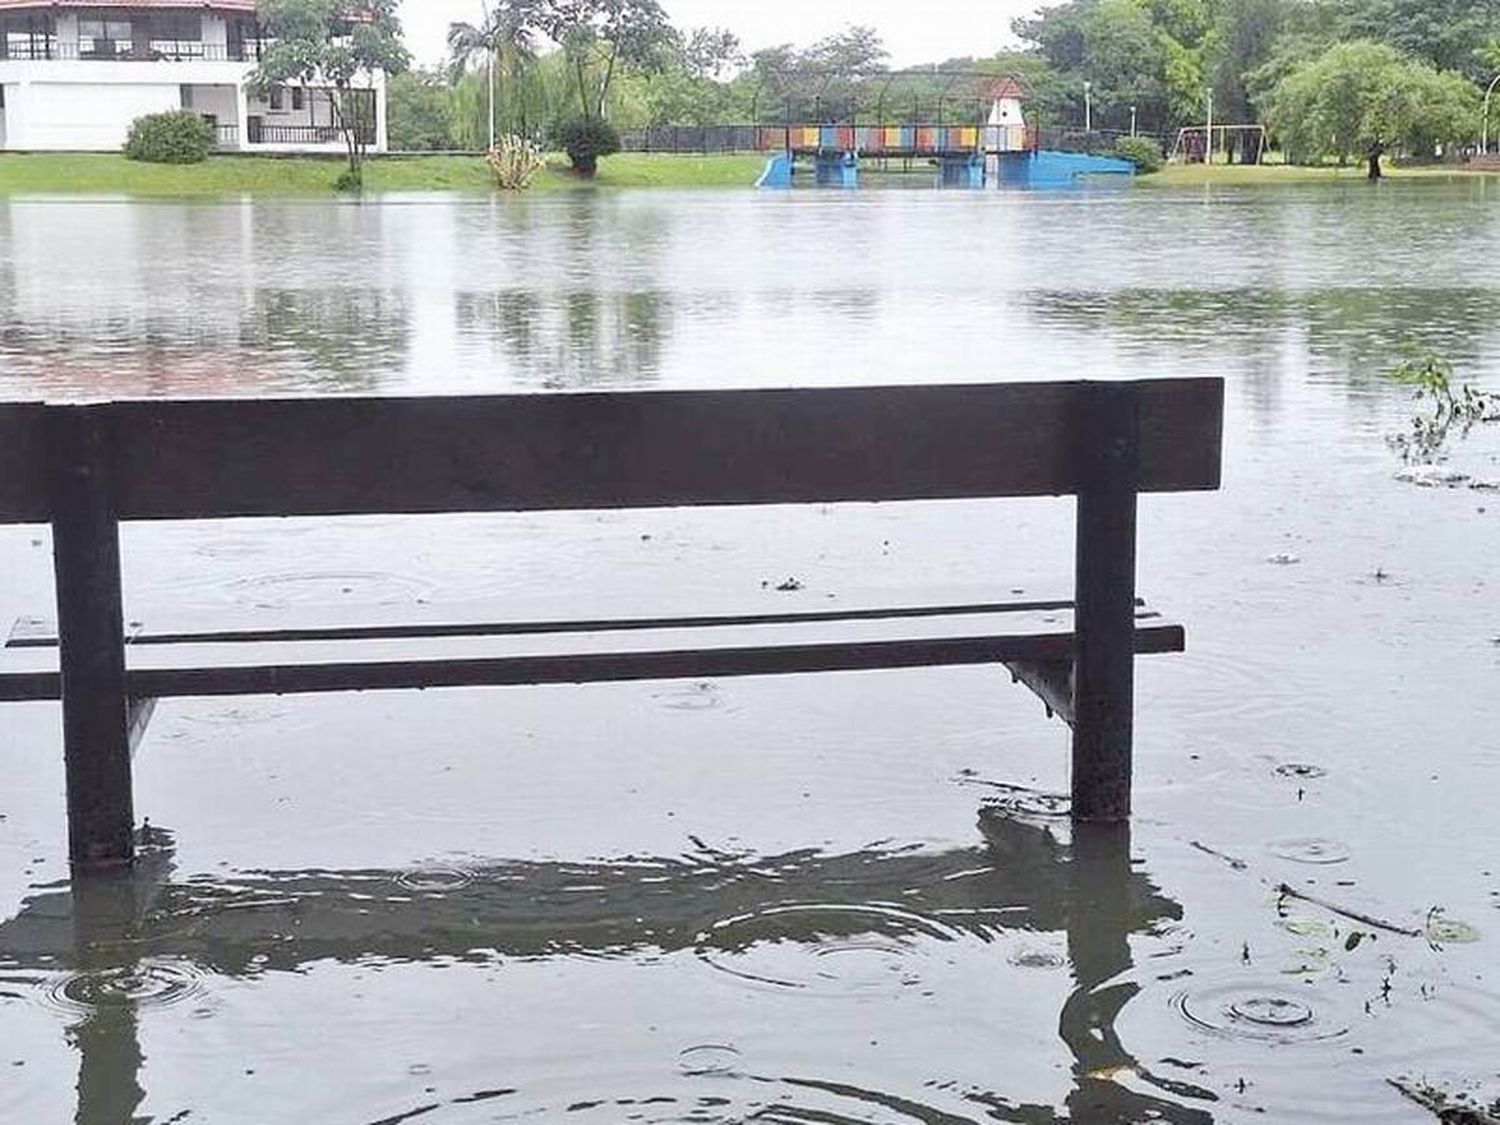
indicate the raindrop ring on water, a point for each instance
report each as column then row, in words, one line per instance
column 1315, row 850
column 146, row 984
column 1248, row 1011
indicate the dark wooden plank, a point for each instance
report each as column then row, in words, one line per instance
column 86, row 562
column 289, row 678
column 33, row 632
column 23, row 478
column 614, row 667
column 204, row 459
column 183, row 460
column 1104, row 668
column 30, row 687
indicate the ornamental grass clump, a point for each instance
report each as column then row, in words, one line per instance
column 515, row 162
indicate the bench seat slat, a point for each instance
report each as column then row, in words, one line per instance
column 218, row 459
column 36, row 632
column 303, row 666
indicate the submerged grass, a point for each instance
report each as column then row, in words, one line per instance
column 232, row 176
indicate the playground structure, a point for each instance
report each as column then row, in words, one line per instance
column 1196, row 144
column 1002, row 150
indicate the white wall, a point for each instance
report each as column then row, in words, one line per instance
column 84, row 115
column 219, row 101
column 87, row 106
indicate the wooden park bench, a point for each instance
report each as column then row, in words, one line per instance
column 85, row 468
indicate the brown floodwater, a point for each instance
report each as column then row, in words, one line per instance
column 819, row 899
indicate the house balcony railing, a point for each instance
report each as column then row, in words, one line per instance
column 260, row 133
column 159, row 50
column 227, row 137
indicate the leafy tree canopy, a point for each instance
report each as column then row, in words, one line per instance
column 323, row 42
column 1364, row 96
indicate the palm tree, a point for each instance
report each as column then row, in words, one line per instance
column 506, row 34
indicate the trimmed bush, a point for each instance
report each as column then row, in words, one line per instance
column 585, row 140
column 1143, row 152
column 179, row 137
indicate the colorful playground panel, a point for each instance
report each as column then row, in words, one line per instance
column 883, row 139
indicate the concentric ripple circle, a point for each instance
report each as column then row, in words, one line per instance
column 147, row 984
column 435, row 880
column 1249, row 1011
column 825, row 947
column 1317, row 851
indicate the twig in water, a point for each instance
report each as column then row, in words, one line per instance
column 1237, row 864
column 1379, row 923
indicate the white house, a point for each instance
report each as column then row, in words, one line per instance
column 74, row 74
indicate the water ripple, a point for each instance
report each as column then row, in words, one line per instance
column 147, row 984
column 828, row 948
column 1250, row 1010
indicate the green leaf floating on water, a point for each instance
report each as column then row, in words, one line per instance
column 1450, row 931
column 1307, row 927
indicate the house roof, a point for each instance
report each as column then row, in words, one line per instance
column 1008, row 87
column 163, row 5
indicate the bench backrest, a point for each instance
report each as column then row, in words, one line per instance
column 349, row 456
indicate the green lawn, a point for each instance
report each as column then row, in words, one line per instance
column 1187, row 175
column 109, row 174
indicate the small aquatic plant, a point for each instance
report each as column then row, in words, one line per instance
column 1448, row 410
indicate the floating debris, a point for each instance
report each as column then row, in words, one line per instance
column 1433, row 476
column 1284, row 558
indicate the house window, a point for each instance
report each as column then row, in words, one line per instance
column 278, row 99
column 177, row 35
column 28, row 37
column 183, row 26
column 103, row 38
column 299, row 98
column 186, row 93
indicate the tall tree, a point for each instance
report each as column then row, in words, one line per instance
column 505, row 40
column 602, row 37
column 320, row 43
column 857, row 50
column 421, row 111
column 1447, row 33
column 1241, row 40
column 1364, row 99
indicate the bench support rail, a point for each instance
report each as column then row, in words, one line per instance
column 1104, row 677
column 91, row 628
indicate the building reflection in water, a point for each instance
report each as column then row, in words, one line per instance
column 1023, row 878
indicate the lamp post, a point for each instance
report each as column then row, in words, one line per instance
column 490, row 50
column 1132, row 121
column 1484, row 143
column 1208, row 147
column 1088, row 108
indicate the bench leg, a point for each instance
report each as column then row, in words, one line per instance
column 91, row 634
column 1104, row 700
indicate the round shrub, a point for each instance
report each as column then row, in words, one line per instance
column 585, row 140
column 179, row 137
column 1144, row 152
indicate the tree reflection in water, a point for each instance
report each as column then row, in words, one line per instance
column 1022, row 878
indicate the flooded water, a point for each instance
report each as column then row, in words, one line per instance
column 829, row 899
